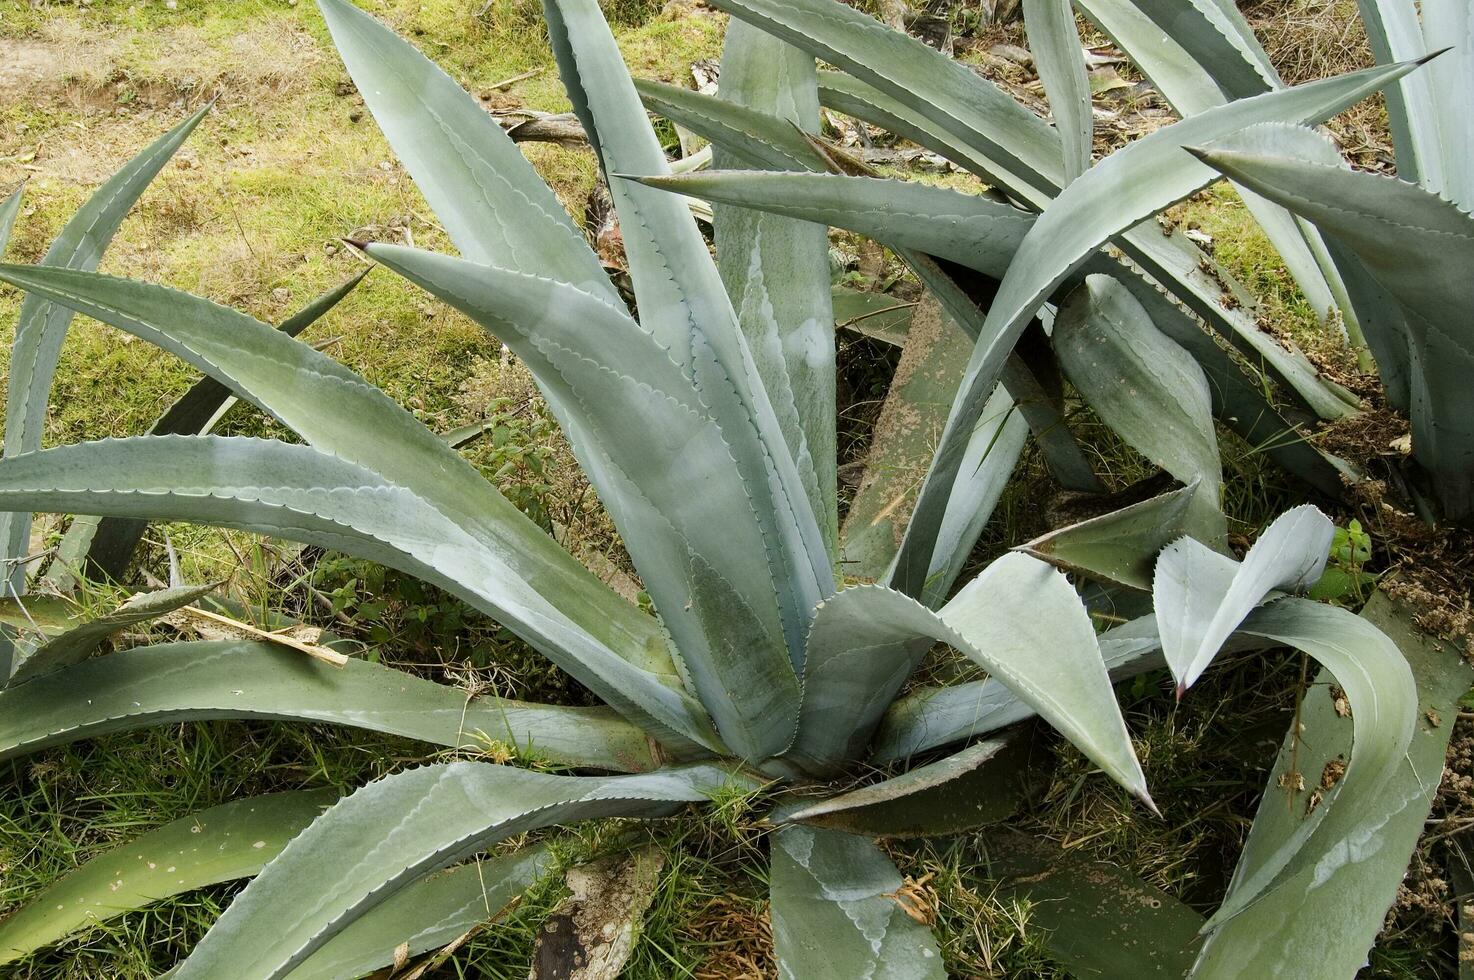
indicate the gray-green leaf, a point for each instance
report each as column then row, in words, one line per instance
column 416, row 822
column 835, row 914
column 223, row 843
column 196, row 681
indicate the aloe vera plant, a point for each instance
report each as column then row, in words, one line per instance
column 707, row 426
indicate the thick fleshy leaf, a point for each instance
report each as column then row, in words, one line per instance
column 992, row 455
column 1202, row 596
column 1172, row 260
column 43, row 323
column 982, row 784
column 835, row 914
column 1383, row 697
column 1215, row 35
column 1120, row 547
column 264, row 366
column 9, row 208
column 983, row 235
column 913, row 219
column 933, row 716
column 1112, row 196
column 1022, row 150
column 418, row 821
column 108, row 545
column 777, row 271
column 867, row 640
column 975, row 231
column 1388, row 225
column 81, row 640
column 223, row 843
column 914, row 411
column 1097, row 920
column 432, row 912
column 173, row 682
column 758, row 138
column 303, row 495
column 494, row 206
column 1146, row 388
column 1450, row 24
column 1189, row 88
column 707, row 572
column 1320, row 922
column 1030, row 376
column 1412, row 105
column 1240, row 401
column 683, row 304
column 1055, row 44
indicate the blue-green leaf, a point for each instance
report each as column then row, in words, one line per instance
column 418, row 821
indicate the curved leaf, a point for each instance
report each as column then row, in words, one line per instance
column 1116, row 193
column 1389, row 224
column 1023, row 152
column 707, row 572
column 979, row 785
column 417, row 821
column 1055, row 44
column 108, row 545
column 83, row 637
column 301, row 494
column 1201, row 596
column 43, row 323
column 1384, row 700
column 1146, row 388
column 1321, row 921
column 201, row 680
column 266, row 367
column 1120, row 547
column 867, row 640
column 935, row 716
column 836, row 915
column 223, row 843
column 426, row 915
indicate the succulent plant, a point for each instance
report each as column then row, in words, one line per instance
column 707, row 425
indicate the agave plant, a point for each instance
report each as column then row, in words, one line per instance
column 707, row 426
column 1206, row 62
